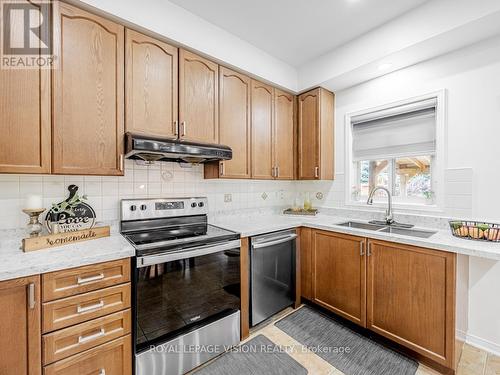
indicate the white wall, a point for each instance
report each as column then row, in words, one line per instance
column 183, row 27
column 471, row 77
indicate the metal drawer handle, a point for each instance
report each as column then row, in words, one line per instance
column 361, row 248
column 96, row 306
column 83, row 280
column 31, row 296
column 84, row 339
column 275, row 242
column 316, row 172
column 122, row 162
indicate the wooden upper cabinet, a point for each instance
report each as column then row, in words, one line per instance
column 339, row 274
column 24, row 116
column 198, row 98
column 88, row 96
column 411, row 298
column 150, row 86
column 284, row 135
column 20, row 341
column 262, row 130
column 316, row 132
column 234, row 123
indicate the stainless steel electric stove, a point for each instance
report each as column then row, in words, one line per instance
column 186, row 284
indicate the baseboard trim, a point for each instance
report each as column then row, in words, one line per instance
column 482, row 344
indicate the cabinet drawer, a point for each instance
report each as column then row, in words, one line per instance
column 73, row 310
column 112, row 358
column 66, row 342
column 74, row 281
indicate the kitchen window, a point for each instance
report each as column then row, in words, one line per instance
column 398, row 146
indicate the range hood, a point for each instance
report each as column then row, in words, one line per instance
column 151, row 149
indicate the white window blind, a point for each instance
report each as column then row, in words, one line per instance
column 407, row 130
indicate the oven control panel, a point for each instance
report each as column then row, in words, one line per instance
column 140, row 209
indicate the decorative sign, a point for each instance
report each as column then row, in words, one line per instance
column 71, row 214
column 60, row 239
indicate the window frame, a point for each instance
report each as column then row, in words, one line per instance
column 439, row 158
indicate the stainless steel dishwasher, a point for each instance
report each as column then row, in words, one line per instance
column 272, row 274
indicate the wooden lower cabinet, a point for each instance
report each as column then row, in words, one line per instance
column 305, row 263
column 72, row 340
column 73, row 281
column 112, row 358
column 339, row 274
column 411, row 298
column 20, row 338
column 404, row 293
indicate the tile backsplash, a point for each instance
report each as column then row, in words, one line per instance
column 224, row 196
column 140, row 181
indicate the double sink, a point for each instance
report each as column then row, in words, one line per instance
column 392, row 228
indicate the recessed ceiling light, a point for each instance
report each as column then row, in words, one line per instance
column 384, row 66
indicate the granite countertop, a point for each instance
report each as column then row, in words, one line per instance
column 442, row 240
column 16, row 263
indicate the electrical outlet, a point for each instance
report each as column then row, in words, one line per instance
column 167, row 175
column 228, row 198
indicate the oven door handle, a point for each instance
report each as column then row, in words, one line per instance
column 150, row 260
column 278, row 241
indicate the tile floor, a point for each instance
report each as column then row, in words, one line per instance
column 473, row 361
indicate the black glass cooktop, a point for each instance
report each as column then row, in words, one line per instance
column 175, row 238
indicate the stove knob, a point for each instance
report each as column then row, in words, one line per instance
column 201, row 204
column 143, row 207
column 133, row 207
column 193, row 204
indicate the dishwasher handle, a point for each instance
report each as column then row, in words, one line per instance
column 278, row 241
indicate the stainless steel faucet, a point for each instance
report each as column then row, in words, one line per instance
column 389, row 219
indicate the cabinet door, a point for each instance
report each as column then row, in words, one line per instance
column 234, row 102
column 308, row 107
column 88, row 93
column 262, row 131
column 198, row 98
column 20, row 341
column 24, row 116
column 284, row 135
column 339, row 274
column 411, row 298
column 112, row 358
column 150, row 86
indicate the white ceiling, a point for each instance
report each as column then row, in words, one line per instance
column 296, row 31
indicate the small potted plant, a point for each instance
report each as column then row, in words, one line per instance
column 429, row 196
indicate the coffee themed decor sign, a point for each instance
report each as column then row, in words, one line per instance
column 70, row 215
